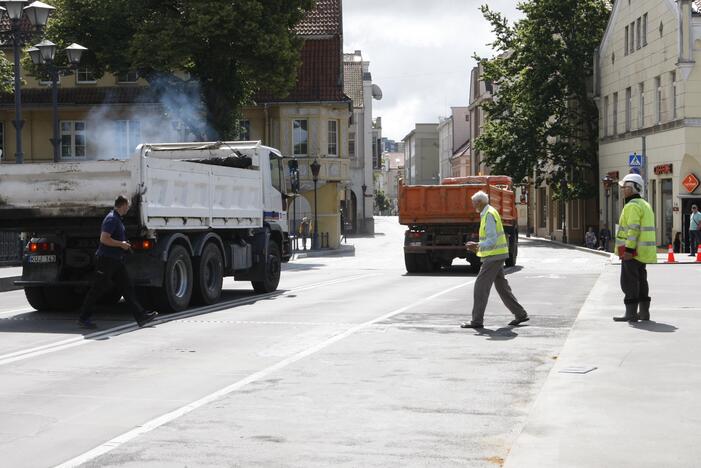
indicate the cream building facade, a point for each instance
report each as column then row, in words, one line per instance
column 648, row 89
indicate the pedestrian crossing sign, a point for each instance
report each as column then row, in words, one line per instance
column 635, row 160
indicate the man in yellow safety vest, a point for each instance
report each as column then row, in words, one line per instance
column 636, row 246
column 493, row 249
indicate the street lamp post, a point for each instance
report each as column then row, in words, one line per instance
column 315, row 166
column 365, row 188
column 44, row 54
column 38, row 15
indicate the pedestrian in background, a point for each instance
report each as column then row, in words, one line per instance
column 304, row 231
column 590, row 238
column 694, row 233
column 604, row 238
column 493, row 249
column 110, row 269
column 637, row 246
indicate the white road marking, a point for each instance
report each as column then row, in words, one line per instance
column 179, row 412
column 111, row 332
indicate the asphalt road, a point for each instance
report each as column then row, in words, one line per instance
column 352, row 363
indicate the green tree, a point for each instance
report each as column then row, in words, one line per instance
column 222, row 50
column 544, row 120
column 381, row 202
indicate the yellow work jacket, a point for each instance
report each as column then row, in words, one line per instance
column 636, row 230
column 502, row 246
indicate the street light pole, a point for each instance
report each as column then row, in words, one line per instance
column 365, row 188
column 315, row 166
column 38, row 15
column 44, row 53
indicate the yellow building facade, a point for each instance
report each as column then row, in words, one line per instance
column 648, row 90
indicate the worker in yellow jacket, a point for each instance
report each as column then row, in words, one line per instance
column 493, row 250
column 636, row 246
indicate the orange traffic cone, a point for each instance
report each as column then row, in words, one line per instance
column 698, row 254
column 670, row 255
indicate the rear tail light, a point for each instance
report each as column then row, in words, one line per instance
column 142, row 244
column 415, row 235
column 36, row 247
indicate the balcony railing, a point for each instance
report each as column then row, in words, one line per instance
column 331, row 170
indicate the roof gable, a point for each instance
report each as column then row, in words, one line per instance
column 325, row 19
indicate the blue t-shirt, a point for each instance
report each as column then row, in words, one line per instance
column 113, row 225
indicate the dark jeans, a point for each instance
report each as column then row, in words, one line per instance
column 111, row 272
column 634, row 282
column 694, row 238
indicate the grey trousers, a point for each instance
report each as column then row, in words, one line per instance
column 492, row 272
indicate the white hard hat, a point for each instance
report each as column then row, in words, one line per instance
column 636, row 178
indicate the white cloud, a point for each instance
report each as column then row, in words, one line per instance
column 420, row 54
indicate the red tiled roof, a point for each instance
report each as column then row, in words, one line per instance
column 319, row 77
column 324, row 20
column 82, row 96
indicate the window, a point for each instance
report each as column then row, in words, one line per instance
column 644, row 29
column 300, row 137
column 244, row 130
column 632, row 37
column 638, row 41
column 131, row 76
column 85, row 75
column 615, row 114
column 674, row 95
column 606, row 115
column 276, row 177
column 72, row 139
column 351, row 144
column 625, row 44
column 333, row 137
column 658, row 100
column 641, row 105
column 629, row 108
column 127, row 137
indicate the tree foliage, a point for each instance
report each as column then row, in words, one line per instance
column 225, row 50
column 543, row 119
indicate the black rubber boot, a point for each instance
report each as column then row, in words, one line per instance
column 631, row 314
column 644, row 311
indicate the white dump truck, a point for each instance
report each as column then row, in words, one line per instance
column 200, row 212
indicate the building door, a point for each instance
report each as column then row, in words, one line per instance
column 667, row 211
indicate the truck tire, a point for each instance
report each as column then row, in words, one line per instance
column 272, row 271
column 176, row 291
column 513, row 251
column 63, row 298
column 36, row 298
column 209, row 276
column 410, row 263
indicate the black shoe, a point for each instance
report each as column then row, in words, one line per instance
column 87, row 323
column 630, row 316
column 146, row 318
column 471, row 325
column 518, row 321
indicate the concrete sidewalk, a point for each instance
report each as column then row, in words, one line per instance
column 640, row 406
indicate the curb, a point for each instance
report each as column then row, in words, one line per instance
column 568, row 246
column 343, row 251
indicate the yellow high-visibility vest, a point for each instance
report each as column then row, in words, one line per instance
column 636, row 230
column 502, row 246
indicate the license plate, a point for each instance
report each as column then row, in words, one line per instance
column 415, row 244
column 42, row 259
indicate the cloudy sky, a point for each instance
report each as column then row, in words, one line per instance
column 420, row 54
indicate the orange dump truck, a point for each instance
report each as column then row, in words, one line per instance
column 440, row 219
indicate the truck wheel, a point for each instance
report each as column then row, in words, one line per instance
column 411, row 263
column 176, row 291
column 36, row 298
column 272, row 271
column 63, row 298
column 513, row 251
column 209, row 276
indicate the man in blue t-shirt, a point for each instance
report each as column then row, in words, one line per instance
column 111, row 269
